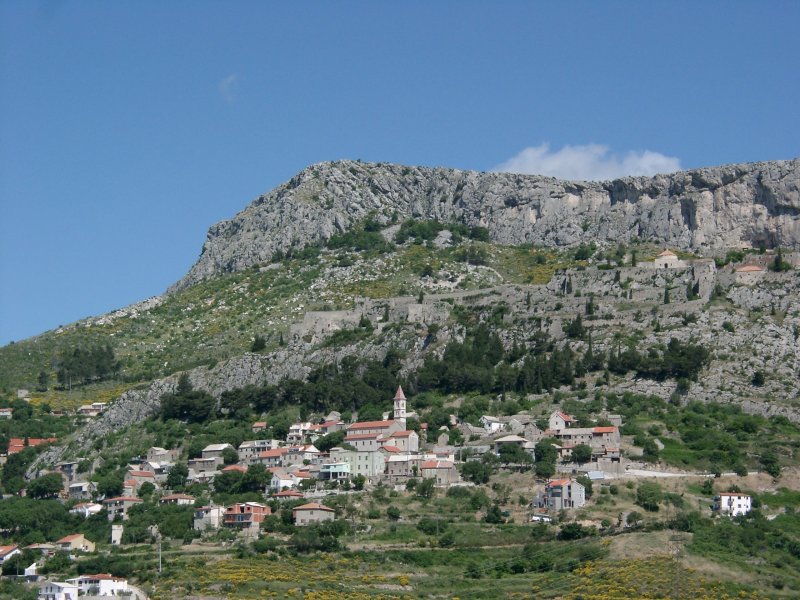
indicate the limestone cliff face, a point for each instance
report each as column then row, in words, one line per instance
column 701, row 210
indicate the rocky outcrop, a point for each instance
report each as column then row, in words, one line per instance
column 702, row 210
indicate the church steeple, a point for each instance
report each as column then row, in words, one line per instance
column 400, row 406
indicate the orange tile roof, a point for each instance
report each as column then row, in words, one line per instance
column 362, row 436
column 404, row 433
column 608, row 429
column 238, row 468
column 277, row 452
column 436, row 464
column 558, row 482
column 314, row 506
column 371, row 425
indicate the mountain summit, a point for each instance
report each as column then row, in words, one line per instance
column 703, row 210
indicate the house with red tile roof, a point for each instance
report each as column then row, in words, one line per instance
column 387, row 427
column 562, row 494
column 272, row 458
column 16, row 445
column 7, row 552
column 76, row 541
column 288, row 495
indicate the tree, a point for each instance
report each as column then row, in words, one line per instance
column 230, row 456
column 333, row 439
column 758, row 378
column 650, row 450
column 46, row 486
column 110, row 485
column 176, row 478
column 587, row 484
column 494, row 515
column 146, row 489
column 476, row 471
column 514, row 454
column 259, row 343
column 425, row 488
column 649, row 495
column 255, row 479
column 358, row 482
column 769, row 460
column 43, row 381
column 582, row 453
column 666, row 295
column 545, row 454
column 393, row 513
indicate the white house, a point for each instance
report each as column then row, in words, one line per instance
column 86, row 509
column 208, row 517
column 492, row 424
column 733, row 503
column 102, row 584
column 57, row 590
column 7, row 552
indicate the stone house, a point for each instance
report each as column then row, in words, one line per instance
column 406, row 440
column 562, row 494
column 559, row 421
column 216, row 451
column 309, row 514
column 443, row 472
column 668, row 260
column 119, row 506
column 250, row 449
column 208, row 518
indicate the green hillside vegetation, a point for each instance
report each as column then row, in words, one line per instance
column 221, row 317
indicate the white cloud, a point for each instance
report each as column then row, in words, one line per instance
column 227, row 87
column 591, row 162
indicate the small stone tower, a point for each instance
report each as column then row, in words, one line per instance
column 400, row 406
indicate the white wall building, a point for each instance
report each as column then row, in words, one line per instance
column 733, row 504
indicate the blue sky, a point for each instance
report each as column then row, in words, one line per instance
column 128, row 128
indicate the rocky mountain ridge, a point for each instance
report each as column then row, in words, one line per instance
column 703, row 210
